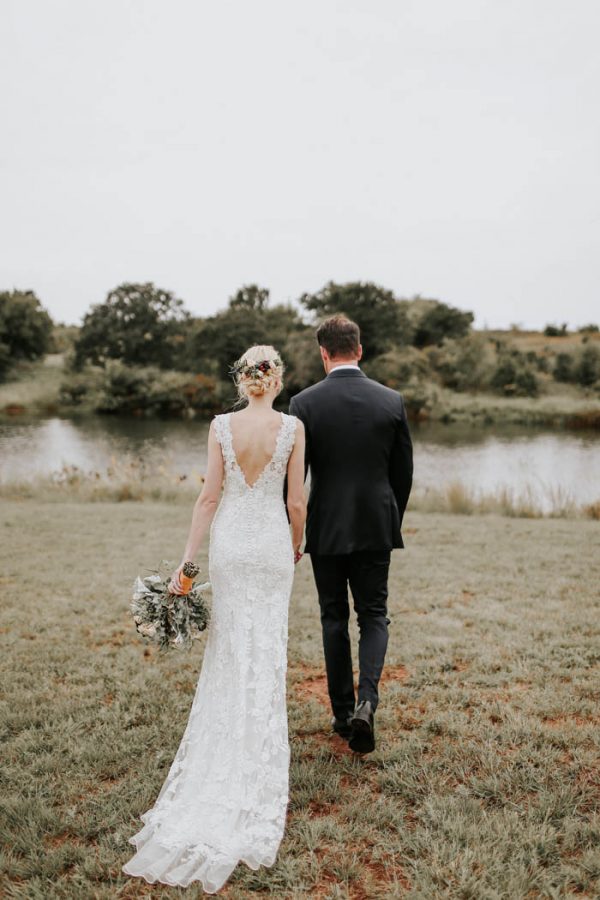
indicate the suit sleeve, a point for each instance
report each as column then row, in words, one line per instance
column 401, row 462
column 296, row 410
column 293, row 411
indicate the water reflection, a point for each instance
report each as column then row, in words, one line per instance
column 39, row 447
column 546, row 464
column 484, row 459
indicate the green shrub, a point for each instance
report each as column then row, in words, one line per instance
column 526, row 384
column 556, row 330
column 464, row 364
column 83, row 387
column 406, row 370
column 5, row 361
column 541, row 362
column 582, row 367
column 398, row 368
column 563, row 367
column 141, row 390
column 513, row 375
column 419, row 397
column 587, row 369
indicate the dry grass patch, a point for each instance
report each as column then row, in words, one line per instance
column 485, row 779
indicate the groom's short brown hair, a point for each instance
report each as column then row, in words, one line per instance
column 340, row 336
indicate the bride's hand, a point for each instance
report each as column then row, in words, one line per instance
column 174, row 584
column 297, row 555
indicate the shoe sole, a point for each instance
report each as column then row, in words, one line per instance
column 346, row 734
column 363, row 737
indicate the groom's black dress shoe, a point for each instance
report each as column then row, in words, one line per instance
column 362, row 739
column 343, row 727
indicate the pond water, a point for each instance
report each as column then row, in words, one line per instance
column 547, row 464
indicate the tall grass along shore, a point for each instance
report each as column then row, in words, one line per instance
column 132, row 478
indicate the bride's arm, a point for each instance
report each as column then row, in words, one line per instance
column 205, row 506
column 296, row 499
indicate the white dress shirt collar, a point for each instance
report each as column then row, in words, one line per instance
column 345, row 366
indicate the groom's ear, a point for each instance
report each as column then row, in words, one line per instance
column 359, row 357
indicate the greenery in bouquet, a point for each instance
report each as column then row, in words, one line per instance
column 169, row 620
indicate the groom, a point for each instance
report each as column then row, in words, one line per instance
column 359, row 451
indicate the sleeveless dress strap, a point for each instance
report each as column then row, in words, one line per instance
column 285, row 443
column 290, row 433
column 223, row 435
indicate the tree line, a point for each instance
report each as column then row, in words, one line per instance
column 142, row 351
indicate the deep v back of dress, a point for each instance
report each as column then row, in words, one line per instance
column 260, row 461
column 224, row 799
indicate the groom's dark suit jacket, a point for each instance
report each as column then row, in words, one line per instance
column 359, row 451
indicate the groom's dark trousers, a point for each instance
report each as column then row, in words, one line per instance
column 366, row 572
column 359, row 452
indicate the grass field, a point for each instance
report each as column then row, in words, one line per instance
column 486, row 780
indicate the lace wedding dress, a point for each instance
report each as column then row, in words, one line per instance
column 225, row 797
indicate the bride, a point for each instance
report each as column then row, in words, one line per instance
column 225, row 797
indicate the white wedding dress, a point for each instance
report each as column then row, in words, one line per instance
column 225, row 797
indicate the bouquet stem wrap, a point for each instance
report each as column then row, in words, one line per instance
column 187, row 575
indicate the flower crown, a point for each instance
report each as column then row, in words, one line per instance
column 255, row 370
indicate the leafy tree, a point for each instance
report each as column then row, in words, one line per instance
column 303, row 364
column 215, row 343
column 250, row 296
column 442, row 321
column 382, row 320
column 138, row 324
column 25, row 328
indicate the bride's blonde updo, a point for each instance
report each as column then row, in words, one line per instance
column 258, row 371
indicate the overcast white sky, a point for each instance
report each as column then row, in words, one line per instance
column 443, row 147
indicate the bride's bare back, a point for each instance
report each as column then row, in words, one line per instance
column 254, row 434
